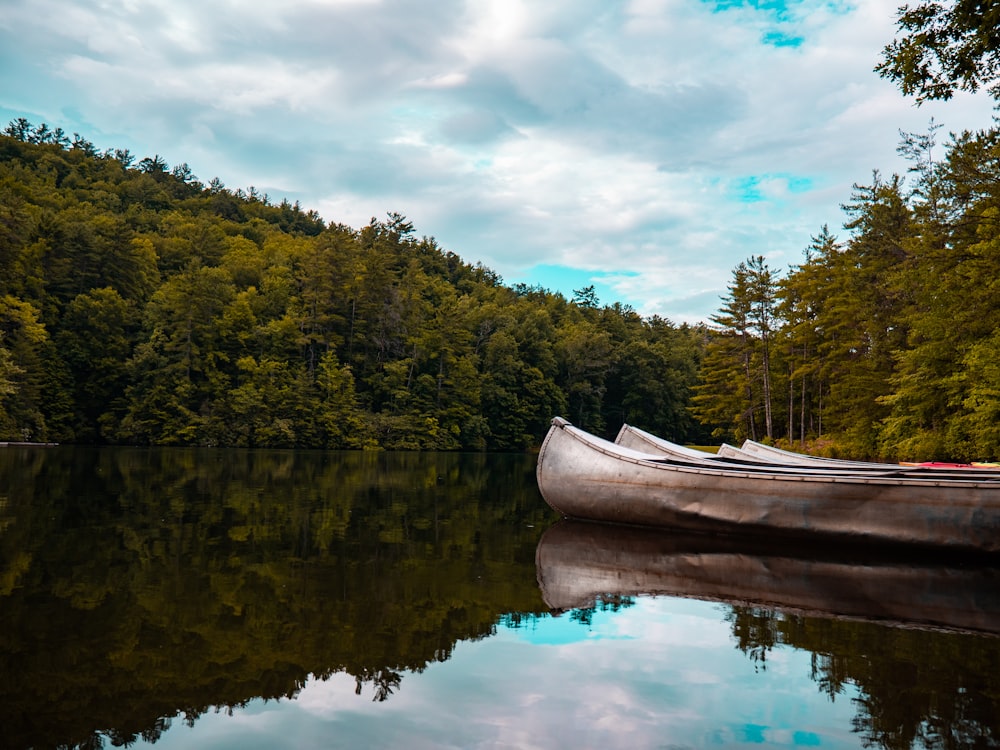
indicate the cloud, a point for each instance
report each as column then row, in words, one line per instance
column 653, row 144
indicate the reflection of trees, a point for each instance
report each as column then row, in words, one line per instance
column 931, row 689
column 606, row 603
column 385, row 682
column 755, row 630
column 137, row 585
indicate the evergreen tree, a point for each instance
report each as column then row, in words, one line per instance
column 946, row 46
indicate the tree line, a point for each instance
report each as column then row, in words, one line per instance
column 139, row 305
column 887, row 342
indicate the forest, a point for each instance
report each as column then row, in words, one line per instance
column 884, row 344
column 141, row 306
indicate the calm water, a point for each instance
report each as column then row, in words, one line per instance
column 278, row 599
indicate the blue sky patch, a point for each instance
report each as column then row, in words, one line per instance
column 777, row 11
column 565, row 279
column 748, row 189
column 781, row 39
column 755, row 733
column 751, row 189
column 806, row 739
column 776, row 8
column 568, row 627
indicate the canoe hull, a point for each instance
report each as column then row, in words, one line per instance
column 584, row 477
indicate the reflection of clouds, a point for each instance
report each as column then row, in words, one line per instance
column 319, row 695
column 673, row 622
column 661, row 673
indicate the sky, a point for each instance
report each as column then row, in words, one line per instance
column 645, row 147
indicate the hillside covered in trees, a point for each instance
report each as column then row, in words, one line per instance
column 141, row 306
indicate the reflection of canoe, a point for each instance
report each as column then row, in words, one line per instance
column 583, row 476
column 578, row 563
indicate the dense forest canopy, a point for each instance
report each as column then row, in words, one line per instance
column 141, row 306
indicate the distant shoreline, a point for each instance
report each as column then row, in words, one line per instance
column 4, row 444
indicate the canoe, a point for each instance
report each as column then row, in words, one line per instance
column 585, row 477
column 645, row 442
column 978, row 465
column 633, row 437
column 580, row 564
column 771, row 453
column 754, row 452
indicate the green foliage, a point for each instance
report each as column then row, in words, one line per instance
column 140, row 305
column 885, row 343
column 737, row 384
column 944, row 47
column 8, row 387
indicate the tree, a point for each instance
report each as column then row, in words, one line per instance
column 178, row 372
column 24, row 340
column 8, row 387
column 261, row 404
column 864, row 315
column 94, row 340
column 945, row 47
column 762, row 296
column 584, row 352
column 740, row 358
column 586, row 297
column 803, row 294
column 154, row 165
column 720, row 397
column 339, row 414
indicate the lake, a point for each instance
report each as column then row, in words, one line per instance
column 210, row 598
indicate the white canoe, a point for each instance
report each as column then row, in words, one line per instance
column 764, row 452
column 759, row 453
column 751, row 452
column 583, row 476
column 646, row 442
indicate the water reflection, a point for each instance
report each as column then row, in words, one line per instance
column 578, row 563
column 917, row 639
column 142, row 584
column 144, row 588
